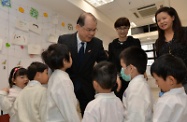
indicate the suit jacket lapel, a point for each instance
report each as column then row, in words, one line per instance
column 74, row 48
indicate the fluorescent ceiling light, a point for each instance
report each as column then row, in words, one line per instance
column 133, row 24
column 97, row 3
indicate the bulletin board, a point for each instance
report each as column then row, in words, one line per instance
column 26, row 29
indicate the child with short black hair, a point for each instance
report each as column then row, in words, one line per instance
column 30, row 105
column 17, row 81
column 106, row 107
column 137, row 98
column 61, row 103
column 169, row 73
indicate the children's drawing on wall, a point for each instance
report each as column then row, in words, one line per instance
column 21, row 10
column 53, row 38
column 19, row 39
column 6, row 3
column 4, row 64
column 1, row 44
column 35, row 28
column 34, row 13
column 34, row 49
column 70, row 27
column 45, row 14
column 7, row 45
column 63, row 24
column 22, row 25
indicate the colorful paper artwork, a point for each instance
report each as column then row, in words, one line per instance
column 22, row 47
column 45, row 14
column 19, row 39
column 6, row 3
column 21, row 10
column 22, row 25
column 70, row 27
column 1, row 44
column 7, row 45
column 63, row 24
column 4, row 62
column 35, row 28
column 34, row 49
column 34, row 13
column 53, row 38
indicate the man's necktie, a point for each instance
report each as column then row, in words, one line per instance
column 81, row 52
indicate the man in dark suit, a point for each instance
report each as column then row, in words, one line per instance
column 81, row 70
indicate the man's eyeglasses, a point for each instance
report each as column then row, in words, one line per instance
column 89, row 30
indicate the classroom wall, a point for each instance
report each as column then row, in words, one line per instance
column 11, row 54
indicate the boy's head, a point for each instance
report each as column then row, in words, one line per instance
column 168, row 71
column 104, row 76
column 133, row 59
column 38, row 71
column 57, row 56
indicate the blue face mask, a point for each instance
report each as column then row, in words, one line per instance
column 124, row 76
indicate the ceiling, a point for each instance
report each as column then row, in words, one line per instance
column 108, row 13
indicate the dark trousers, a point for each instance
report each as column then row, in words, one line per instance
column 83, row 99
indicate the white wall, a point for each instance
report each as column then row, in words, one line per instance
column 15, row 54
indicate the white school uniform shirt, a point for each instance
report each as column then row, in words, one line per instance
column 61, row 102
column 30, row 105
column 7, row 101
column 171, row 107
column 138, row 101
column 106, row 107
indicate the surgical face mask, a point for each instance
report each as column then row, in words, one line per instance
column 124, row 76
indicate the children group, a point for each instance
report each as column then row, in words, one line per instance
column 28, row 100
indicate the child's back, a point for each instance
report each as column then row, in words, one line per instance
column 106, row 107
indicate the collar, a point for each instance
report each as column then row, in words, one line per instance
column 78, row 39
column 105, row 95
column 33, row 82
column 175, row 91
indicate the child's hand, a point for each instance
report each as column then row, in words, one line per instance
column 6, row 90
column 118, row 81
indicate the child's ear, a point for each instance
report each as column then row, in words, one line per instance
column 64, row 61
column 172, row 80
column 95, row 84
column 38, row 75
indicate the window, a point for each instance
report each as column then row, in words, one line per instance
column 149, row 49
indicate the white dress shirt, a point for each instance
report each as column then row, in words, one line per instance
column 171, row 107
column 106, row 107
column 61, row 103
column 138, row 101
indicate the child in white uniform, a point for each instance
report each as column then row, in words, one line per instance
column 30, row 105
column 61, row 103
column 17, row 81
column 169, row 73
column 106, row 107
column 137, row 98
